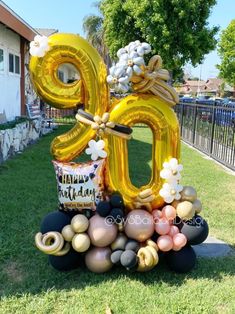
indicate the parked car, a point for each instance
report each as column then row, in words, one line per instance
column 225, row 115
column 188, row 100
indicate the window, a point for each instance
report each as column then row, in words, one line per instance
column 14, row 63
column 17, row 64
column 1, row 60
column 60, row 76
column 11, row 63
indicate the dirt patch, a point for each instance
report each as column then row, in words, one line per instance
column 13, row 272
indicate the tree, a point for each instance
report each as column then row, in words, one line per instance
column 176, row 29
column 93, row 28
column 227, row 53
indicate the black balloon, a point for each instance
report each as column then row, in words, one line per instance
column 117, row 214
column 115, row 256
column 116, row 201
column 196, row 230
column 181, row 261
column 103, row 208
column 55, row 221
column 66, row 262
column 129, row 259
column 132, row 245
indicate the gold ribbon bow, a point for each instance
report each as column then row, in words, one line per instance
column 153, row 81
column 102, row 125
column 144, row 199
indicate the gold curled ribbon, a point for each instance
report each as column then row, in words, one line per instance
column 144, row 199
column 153, row 81
column 52, row 243
column 102, row 125
column 148, row 258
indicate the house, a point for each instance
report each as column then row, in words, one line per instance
column 213, row 87
column 15, row 35
column 192, row 87
column 217, row 87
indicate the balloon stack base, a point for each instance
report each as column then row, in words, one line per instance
column 106, row 238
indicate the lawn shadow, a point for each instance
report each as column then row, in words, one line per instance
column 34, row 275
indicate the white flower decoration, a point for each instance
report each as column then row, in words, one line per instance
column 96, row 149
column 143, row 49
column 171, row 170
column 132, row 62
column 171, row 192
column 118, row 78
column 39, row 46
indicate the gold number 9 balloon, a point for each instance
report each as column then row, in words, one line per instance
column 151, row 105
column 91, row 90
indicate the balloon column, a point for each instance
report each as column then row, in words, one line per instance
column 103, row 219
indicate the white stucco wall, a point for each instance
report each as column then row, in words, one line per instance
column 9, row 82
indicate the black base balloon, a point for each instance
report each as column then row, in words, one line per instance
column 55, row 221
column 181, row 261
column 116, row 201
column 67, row 262
column 196, row 230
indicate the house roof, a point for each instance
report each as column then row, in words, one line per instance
column 46, row 31
column 13, row 21
column 195, row 83
column 213, row 84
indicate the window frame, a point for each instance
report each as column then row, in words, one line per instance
column 2, row 72
column 15, row 54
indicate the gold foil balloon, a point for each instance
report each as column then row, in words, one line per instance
column 139, row 225
column 91, row 90
column 163, row 122
column 98, row 259
column 101, row 232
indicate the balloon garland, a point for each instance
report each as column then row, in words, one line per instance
column 103, row 219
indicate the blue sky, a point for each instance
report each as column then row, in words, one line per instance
column 67, row 16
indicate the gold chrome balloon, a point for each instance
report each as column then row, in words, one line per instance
column 163, row 122
column 68, row 233
column 92, row 90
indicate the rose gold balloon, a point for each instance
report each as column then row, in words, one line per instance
column 157, row 214
column 98, row 259
column 165, row 243
column 173, row 230
column 169, row 212
column 139, row 225
column 162, row 226
column 176, row 248
column 179, row 240
column 101, row 232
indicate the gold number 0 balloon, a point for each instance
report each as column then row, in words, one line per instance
column 163, row 122
column 91, row 90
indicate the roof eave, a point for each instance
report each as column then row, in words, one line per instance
column 15, row 22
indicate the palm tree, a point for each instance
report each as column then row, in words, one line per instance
column 93, row 28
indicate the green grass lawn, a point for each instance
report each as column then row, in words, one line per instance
column 29, row 285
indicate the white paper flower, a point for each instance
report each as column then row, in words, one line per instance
column 171, row 170
column 118, row 78
column 96, row 149
column 39, row 46
column 132, row 61
column 171, row 192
